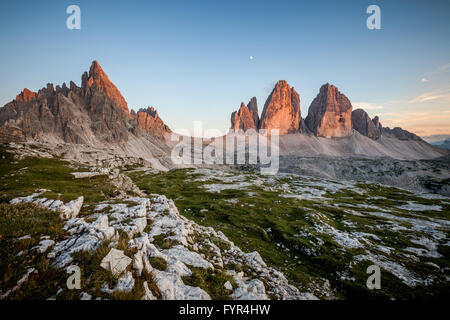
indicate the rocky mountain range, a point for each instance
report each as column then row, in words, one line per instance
column 86, row 182
column 95, row 113
column 330, row 115
column 331, row 128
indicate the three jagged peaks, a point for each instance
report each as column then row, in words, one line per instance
column 330, row 115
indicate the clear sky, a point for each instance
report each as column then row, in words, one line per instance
column 191, row 59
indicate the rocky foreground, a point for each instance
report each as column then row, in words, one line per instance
column 227, row 234
column 144, row 220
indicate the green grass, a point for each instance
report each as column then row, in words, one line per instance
column 211, row 281
column 158, row 263
column 24, row 177
column 18, row 221
column 247, row 221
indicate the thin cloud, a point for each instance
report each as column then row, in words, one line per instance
column 432, row 96
column 423, row 80
column 367, row 106
column 441, row 69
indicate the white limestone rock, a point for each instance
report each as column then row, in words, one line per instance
column 44, row 245
column 72, row 208
column 172, row 287
column 148, row 295
column 115, row 261
column 188, row 257
column 68, row 210
column 228, row 285
column 85, row 296
column 125, row 282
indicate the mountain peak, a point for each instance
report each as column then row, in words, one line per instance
column 362, row 123
column 150, row 111
column 282, row 83
column 282, row 109
column 96, row 71
column 330, row 113
column 26, row 96
column 149, row 120
column 98, row 80
column 246, row 117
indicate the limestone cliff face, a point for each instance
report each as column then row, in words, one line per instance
column 253, row 107
column 96, row 112
column 363, row 124
column 377, row 123
column 330, row 113
column 149, row 120
column 282, row 110
column 246, row 117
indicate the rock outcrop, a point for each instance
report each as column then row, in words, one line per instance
column 401, row 134
column 282, row 110
column 246, row 117
column 363, row 124
column 149, row 120
column 187, row 245
column 330, row 113
column 67, row 211
column 377, row 123
column 374, row 130
column 26, row 96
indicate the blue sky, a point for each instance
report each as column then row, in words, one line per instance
column 190, row 59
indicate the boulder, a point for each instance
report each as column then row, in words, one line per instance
column 72, row 208
column 172, row 287
column 228, row 285
column 115, row 261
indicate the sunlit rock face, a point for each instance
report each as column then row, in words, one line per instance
column 26, row 96
column 149, row 120
column 282, row 110
column 330, row 113
column 98, row 80
column 95, row 113
column 246, row 117
column 363, row 124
